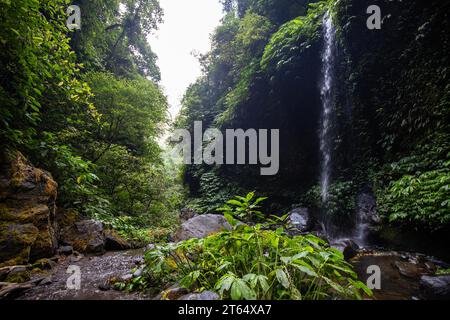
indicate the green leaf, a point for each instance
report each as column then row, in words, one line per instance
column 282, row 278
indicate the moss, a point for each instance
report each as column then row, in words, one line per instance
column 20, row 259
column 18, row 277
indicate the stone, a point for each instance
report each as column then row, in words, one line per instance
column 65, row 250
column 46, row 281
column 347, row 246
column 44, row 264
column 409, row 270
column 126, row 277
column 114, row 242
column 138, row 272
column 27, row 211
column 205, row 296
column 105, row 286
column 366, row 206
column 76, row 256
column 18, row 275
column 201, row 226
column 435, row 287
column 85, row 236
column 300, row 220
column 173, row 293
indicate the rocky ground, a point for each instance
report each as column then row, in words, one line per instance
column 95, row 274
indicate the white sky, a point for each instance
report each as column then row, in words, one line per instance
column 187, row 27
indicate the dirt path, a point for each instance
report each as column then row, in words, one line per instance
column 95, row 271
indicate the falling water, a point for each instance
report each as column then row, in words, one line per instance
column 326, row 94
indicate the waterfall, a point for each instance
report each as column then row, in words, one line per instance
column 326, row 94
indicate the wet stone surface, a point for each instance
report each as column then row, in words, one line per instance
column 400, row 273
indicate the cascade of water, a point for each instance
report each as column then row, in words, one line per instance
column 326, row 94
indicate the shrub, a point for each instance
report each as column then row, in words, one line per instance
column 254, row 262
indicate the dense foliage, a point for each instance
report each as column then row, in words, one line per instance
column 80, row 104
column 391, row 106
column 254, row 262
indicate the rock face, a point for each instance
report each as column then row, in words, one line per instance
column 27, row 211
column 86, row 236
column 201, row 227
column 435, row 287
column 366, row 206
column 300, row 220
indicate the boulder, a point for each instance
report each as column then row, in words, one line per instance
column 172, row 293
column 114, row 242
column 85, row 236
column 300, row 220
column 409, row 269
column 201, row 227
column 347, row 246
column 205, row 296
column 435, row 287
column 27, row 211
column 65, row 250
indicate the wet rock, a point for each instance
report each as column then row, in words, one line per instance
column 46, row 281
column 18, row 275
column 172, row 293
column 206, row 295
column 86, row 236
column 409, row 270
column 366, row 206
column 5, row 271
column 138, row 272
column 65, row 250
column 27, row 211
column 300, row 220
column 186, row 214
column 105, row 286
column 347, row 246
column 114, row 242
column 435, row 287
column 201, row 227
column 126, row 277
column 44, row 264
column 76, row 256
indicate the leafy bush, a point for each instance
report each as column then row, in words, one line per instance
column 422, row 199
column 416, row 189
column 252, row 263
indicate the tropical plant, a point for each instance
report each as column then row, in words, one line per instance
column 254, row 262
column 244, row 208
column 251, row 263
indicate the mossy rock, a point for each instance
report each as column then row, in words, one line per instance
column 43, row 264
column 27, row 211
column 16, row 241
column 18, row 277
